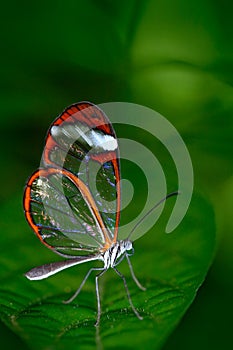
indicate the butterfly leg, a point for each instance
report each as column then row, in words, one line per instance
column 128, row 294
column 98, row 295
column 81, row 285
column 133, row 275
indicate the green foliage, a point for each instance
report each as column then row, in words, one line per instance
column 175, row 57
column 172, row 267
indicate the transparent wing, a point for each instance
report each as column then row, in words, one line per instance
column 82, row 141
column 60, row 209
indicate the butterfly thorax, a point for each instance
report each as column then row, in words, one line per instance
column 111, row 255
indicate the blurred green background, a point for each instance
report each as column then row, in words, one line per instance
column 172, row 56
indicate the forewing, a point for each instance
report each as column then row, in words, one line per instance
column 82, row 141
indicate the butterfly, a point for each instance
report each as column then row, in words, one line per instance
column 73, row 213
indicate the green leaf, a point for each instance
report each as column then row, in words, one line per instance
column 172, row 267
column 175, row 57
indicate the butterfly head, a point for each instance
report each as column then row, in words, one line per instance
column 127, row 246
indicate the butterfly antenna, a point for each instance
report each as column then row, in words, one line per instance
column 152, row 209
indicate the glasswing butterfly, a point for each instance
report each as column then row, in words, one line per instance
column 69, row 215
